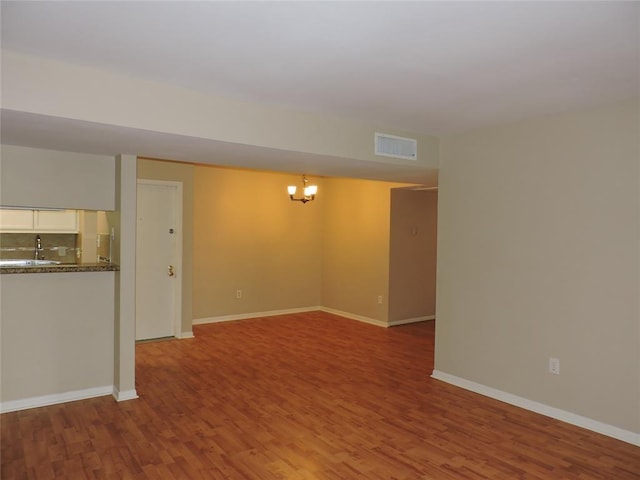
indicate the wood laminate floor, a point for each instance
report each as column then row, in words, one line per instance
column 304, row 396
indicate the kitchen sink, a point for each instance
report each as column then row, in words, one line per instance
column 26, row 263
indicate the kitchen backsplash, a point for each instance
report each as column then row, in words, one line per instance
column 103, row 250
column 61, row 247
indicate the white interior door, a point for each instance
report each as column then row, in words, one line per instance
column 157, row 259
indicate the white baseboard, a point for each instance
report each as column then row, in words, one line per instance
column 124, row 395
column 353, row 316
column 411, row 320
column 53, row 399
column 562, row 415
column 183, row 335
column 245, row 316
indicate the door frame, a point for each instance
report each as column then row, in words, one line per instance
column 177, row 285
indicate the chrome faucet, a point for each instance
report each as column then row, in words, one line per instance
column 38, row 249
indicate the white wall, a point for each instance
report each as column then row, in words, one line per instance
column 124, row 292
column 48, row 87
column 33, row 177
column 538, row 256
column 70, row 302
column 56, row 333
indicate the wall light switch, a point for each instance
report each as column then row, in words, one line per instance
column 554, row 365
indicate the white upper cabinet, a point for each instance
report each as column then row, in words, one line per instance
column 16, row 220
column 56, row 221
column 39, row 221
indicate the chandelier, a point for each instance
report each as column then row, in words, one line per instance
column 309, row 191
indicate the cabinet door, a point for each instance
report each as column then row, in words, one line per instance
column 56, row 221
column 16, row 220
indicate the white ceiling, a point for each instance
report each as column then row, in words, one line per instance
column 425, row 67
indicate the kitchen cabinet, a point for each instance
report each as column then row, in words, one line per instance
column 39, row 221
column 56, row 221
column 16, row 220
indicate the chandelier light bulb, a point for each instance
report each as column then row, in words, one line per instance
column 309, row 191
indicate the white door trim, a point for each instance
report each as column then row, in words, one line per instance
column 177, row 292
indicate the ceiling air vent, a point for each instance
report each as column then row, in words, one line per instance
column 396, row 147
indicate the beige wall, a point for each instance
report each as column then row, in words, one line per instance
column 59, row 89
column 538, row 256
column 178, row 172
column 412, row 258
column 355, row 252
column 88, row 235
column 123, row 221
column 249, row 236
column 283, row 255
column 74, row 355
column 33, row 177
column 57, row 333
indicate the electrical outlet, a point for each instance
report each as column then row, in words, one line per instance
column 554, row 365
column 238, row 293
column 379, row 299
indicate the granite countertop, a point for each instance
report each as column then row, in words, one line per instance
column 85, row 267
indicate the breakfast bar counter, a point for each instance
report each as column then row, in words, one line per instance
column 60, row 268
column 57, row 336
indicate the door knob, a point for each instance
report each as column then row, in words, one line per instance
column 170, row 271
